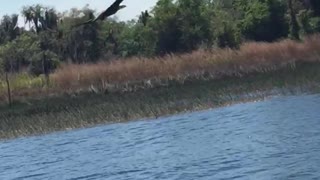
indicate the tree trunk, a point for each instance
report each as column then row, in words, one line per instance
column 46, row 69
column 9, row 89
column 46, row 73
column 294, row 26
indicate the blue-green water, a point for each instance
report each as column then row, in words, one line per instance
column 278, row 138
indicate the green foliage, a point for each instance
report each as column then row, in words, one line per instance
column 181, row 26
column 24, row 47
column 137, row 40
column 81, row 44
column 25, row 80
column 225, row 31
column 36, row 65
column 309, row 19
column 193, row 23
column 259, row 19
column 8, row 28
column 166, row 27
column 8, row 56
column 25, row 52
column 315, row 24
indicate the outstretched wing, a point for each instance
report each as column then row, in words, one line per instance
column 117, row 3
column 83, row 23
column 112, row 9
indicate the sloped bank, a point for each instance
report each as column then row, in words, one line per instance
column 45, row 115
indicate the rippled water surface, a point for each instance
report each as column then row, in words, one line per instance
column 275, row 139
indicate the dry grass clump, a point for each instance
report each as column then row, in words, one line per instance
column 251, row 57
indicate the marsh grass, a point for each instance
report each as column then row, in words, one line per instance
column 91, row 109
column 21, row 82
column 142, row 73
column 210, row 64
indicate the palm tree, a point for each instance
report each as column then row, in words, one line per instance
column 44, row 20
column 9, row 27
column 32, row 14
column 143, row 18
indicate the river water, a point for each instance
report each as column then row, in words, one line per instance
column 278, row 138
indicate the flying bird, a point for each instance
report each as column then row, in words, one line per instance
column 113, row 9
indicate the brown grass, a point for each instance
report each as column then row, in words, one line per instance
column 213, row 64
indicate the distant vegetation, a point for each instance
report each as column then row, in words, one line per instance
column 48, row 42
column 134, row 73
column 169, row 27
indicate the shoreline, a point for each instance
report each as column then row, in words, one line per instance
column 141, row 73
column 31, row 117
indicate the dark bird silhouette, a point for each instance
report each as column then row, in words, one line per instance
column 114, row 8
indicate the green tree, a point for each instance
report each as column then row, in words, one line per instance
column 84, row 43
column 137, row 40
column 308, row 16
column 225, row 32
column 8, row 28
column 40, row 18
column 19, row 53
column 45, row 23
column 166, row 27
column 260, row 17
column 194, row 24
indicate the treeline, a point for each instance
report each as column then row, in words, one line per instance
column 49, row 38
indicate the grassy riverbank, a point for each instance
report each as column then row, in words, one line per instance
column 129, row 75
column 88, row 109
column 119, row 91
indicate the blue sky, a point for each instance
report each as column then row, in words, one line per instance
column 134, row 7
